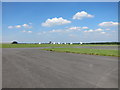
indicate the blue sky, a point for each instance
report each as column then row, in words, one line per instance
column 60, row 21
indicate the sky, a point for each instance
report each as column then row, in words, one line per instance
column 60, row 21
column 0, row 22
column 60, row 0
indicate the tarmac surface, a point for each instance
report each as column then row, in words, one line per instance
column 35, row 68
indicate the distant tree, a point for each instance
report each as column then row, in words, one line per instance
column 14, row 42
column 50, row 42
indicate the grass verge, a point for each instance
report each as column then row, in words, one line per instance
column 86, row 51
column 42, row 45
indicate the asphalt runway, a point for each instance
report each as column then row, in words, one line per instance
column 34, row 68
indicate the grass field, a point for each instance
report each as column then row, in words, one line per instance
column 42, row 45
column 32, row 45
column 86, row 51
column 67, row 48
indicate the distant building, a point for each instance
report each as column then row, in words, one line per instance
column 14, row 42
column 39, row 42
column 53, row 43
column 50, row 42
column 59, row 43
column 81, row 43
column 71, row 43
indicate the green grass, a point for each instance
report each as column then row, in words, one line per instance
column 86, row 51
column 27, row 45
column 67, row 48
column 32, row 45
column 0, row 45
column 42, row 45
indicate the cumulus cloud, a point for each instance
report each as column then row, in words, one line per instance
column 56, row 31
column 89, row 30
column 75, row 28
column 24, row 31
column 103, row 32
column 55, row 21
column 70, row 29
column 59, row 31
column 29, row 31
column 108, row 24
column 17, row 26
column 99, row 29
column 78, row 28
column 65, row 30
column 20, row 26
column 81, row 15
column 96, row 30
column 85, row 28
column 26, row 26
column 10, row 27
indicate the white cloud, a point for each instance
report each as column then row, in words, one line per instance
column 103, row 32
column 18, row 26
column 70, row 29
column 52, row 31
column 56, row 30
column 59, row 31
column 108, row 24
column 24, row 31
column 55, row 21
column 89, row 30
column 75, row 28
column 29, row 31
column 78, row 28
column 81, row 15
column 66, row 30
column 99, row 29
column 26, row 26
column 96, row 30
column 10, row 27
column 85, row 28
